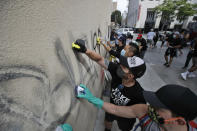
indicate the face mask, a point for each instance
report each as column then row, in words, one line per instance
column 120, row 73
column 123, row 52
column 174, row 36
column 128, row 41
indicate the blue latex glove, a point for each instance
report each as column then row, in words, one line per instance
column 64, row 127
column 88, row 96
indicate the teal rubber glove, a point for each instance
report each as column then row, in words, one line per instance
column 64, row 127
column 88, row 96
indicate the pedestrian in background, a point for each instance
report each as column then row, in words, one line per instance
column 189, row 73
column 189, row 55
column 156, row 38
column 143, row 46
column 150, row 37
column 173, row 43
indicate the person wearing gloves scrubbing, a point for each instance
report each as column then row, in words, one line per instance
column 125, row 89
column 172, row 108
column 129, row 50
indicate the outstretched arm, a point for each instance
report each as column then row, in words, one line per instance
column 96, row 57
column 79, row 45
column 134, row 111
column 108, row 48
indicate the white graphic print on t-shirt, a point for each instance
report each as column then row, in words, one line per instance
column 118, row 98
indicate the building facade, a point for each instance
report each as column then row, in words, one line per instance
column 142, row 16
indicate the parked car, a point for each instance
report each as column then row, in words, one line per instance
column 125, row 31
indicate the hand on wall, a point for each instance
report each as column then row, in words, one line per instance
column 79, row 45
column 86, row 94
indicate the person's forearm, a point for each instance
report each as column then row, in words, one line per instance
column 178, row 46
column 93, row 55
column 110, row 45
column 168, row 44
column 122, row 111
column 107, row 47
column 134, row 111
column 96, row 57
column 112, row 109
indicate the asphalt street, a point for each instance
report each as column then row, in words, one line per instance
column 158, row 75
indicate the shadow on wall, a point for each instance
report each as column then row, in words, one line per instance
column 28, row 102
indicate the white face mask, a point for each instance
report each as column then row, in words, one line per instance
column 174, row 36
column 123, row 52
column 128, row 41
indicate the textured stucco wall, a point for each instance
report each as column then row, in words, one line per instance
column 38, row 68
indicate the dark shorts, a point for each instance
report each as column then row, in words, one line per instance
column 171, row 51
column 124, row 124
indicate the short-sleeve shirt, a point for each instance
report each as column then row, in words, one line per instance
column 150, row 35
column 174, row 41
column 121, row 95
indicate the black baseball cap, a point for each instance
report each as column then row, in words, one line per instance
column 135, row 64
column 180, row 100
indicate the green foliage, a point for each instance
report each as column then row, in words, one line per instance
column 116, row 17
column 185, row 9
column 180, row 9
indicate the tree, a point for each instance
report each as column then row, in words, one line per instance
column 185, row 9
column 179, row 9
column 167, row 11
column 116, row 17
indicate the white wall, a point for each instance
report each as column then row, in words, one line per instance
column 38, row 68
column 146, row 4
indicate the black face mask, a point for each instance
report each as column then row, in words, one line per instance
column 120, row 73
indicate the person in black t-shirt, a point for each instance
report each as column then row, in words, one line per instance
column 143, row 46
column 173, row 43
column 156, row 38
column 125, row 90
column 129, row 50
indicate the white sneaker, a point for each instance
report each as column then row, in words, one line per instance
column 191, row 75
column 184, row 75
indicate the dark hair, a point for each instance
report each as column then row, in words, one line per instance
column 134, row 48
column 130, row 36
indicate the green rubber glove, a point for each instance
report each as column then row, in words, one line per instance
column 79, row 45
column 88, row 96
column 64, row 127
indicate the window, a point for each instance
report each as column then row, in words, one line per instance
column 125, row 29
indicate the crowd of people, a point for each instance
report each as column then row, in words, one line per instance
column 170, row 108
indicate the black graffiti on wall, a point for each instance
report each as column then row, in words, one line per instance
column 90, row 76
column 96, row 46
